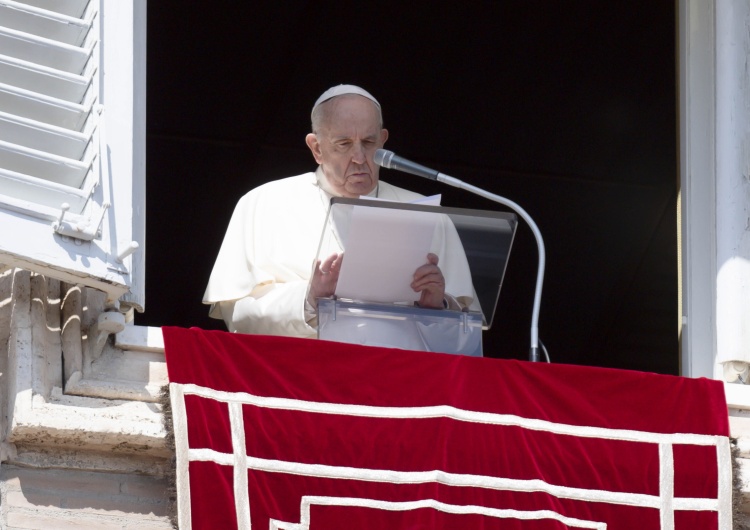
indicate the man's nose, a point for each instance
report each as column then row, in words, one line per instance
column 358, row 154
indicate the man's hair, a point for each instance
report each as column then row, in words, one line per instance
column 321, row 113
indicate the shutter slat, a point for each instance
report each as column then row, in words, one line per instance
column 43, row 165
column 18, row 188
column 47, row 24
column 41, row 108
column 44, row 80
column 72, row 8
column 46, row 52
column 40, row 136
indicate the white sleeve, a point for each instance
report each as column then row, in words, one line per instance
column 276, row 309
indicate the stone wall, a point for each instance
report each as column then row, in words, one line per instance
column 739, row 425
column 81, row 500
column 82, row 441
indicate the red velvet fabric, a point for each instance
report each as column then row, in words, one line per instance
column 334, row 373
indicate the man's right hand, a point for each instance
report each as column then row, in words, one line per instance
column 324, row 279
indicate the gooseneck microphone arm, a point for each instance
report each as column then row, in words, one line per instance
column 390, row 160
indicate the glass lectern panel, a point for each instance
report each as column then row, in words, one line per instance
column 383, row 243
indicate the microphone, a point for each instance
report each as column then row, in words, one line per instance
column 390, row 160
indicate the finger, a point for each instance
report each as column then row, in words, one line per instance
column 425, row 270
column 432, row 300
column 430, row 266
column 422, row 283
column 430, row 281
column 325, row 267
column 336, row 265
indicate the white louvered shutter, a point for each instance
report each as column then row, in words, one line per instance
column 72, row 141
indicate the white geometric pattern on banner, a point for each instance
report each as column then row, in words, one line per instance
column 665, row 501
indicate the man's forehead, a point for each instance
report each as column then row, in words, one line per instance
column 350, row 131
column 352, row 116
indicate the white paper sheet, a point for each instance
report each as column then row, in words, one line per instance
column 383, row 249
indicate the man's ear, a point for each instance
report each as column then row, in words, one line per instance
column 312, row 142
column 383, row 136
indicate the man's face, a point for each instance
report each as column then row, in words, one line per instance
column 346, row 143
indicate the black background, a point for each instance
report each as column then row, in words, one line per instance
column 566, row 107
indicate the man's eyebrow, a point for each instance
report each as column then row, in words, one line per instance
column 372, row 136
column 345, row 138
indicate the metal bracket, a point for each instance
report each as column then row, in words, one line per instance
column 83, row 230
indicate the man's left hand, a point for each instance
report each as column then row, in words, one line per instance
column 429, row 280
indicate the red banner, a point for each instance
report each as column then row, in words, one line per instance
column 281, row 433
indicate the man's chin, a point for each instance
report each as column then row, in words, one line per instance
column 359, row 188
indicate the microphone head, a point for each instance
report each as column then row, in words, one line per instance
column 383, row 158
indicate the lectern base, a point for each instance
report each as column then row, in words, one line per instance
column 406, row 327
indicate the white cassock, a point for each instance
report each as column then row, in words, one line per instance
column 260, row 278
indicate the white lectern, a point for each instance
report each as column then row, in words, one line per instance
column 383, row 243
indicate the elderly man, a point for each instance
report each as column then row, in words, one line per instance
column 259, row 283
